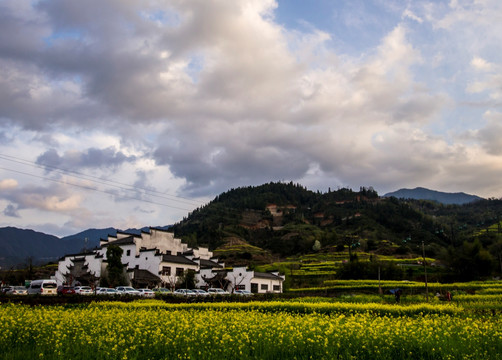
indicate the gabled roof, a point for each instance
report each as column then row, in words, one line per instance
column 79, row 254
column 144, row 275
column 208, row 264
column 129, row 240
column 270, row 276
column 177, row 259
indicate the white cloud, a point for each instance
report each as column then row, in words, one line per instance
column 409, row 14
column 481, row 64
column 8, row 184
column 196, row 97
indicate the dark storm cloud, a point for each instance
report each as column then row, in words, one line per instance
column 11, row 211
column 92, row 158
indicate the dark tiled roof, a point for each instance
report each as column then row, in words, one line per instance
column 79, row 254
column 124, row 241
column 270, row 276
column 144, row 275
column 177, row 259
column 208, row 264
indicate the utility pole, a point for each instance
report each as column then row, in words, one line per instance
column 425, row 272
column 379, row 283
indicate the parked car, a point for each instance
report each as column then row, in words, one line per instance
column 146, row 293
column 107, row 291
column 43, row 287
column 66, row 290
column 17, row 290
column 161, row 291
column 200, row 292
column 217, row 291
column 127, row 290
column 243, row 292
column 5, row 289
column 83, row 290
column 184, row 292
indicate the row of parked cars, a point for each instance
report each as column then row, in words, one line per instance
column 122, row 290
column 210, row 291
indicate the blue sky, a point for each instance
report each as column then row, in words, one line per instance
column 133, row 113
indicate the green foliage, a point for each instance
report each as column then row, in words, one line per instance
column 187, row 280
column 115, row 270
column 471, row 261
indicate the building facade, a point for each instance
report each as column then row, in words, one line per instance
column 155, row 258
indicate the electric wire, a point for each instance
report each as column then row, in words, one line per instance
column 107, row 182
column 94, row 189
column 115, row 184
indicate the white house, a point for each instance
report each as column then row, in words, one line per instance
column 157, row 258
column 240, row 278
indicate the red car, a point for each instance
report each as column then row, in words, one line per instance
column 66, row 290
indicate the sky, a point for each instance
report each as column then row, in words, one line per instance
column 123, row 113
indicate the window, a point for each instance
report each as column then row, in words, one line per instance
column 166, row 270
column 264, row 287
column 277, row 288
column 179, row 271
column 240, row 287
column 128, row 252
column 254, row 287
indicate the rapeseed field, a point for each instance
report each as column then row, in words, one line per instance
column 152, row 329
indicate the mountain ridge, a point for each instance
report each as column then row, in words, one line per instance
column 18, row 246
column 421, row 193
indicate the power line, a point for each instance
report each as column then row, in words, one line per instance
column 106, row 182
column 96, row 179
column 95, row 189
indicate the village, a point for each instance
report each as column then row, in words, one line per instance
column 156, row 259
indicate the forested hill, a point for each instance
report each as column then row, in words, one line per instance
column 287, row 219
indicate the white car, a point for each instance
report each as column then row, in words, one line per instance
column 108, row 291
column 184, row 292
column 146, row 293
column 243, row 292
column 217, row 291
column 83, row 290
column 17, row 290
column 128, row 290
column 200, row 292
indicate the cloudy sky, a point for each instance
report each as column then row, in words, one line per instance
column 129, row 113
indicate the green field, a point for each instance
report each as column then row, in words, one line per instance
column 353, row 326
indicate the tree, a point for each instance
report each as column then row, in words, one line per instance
column 115, row 269
column 471, row 261
column 317, row 245
column 187, row 280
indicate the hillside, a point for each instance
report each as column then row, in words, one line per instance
column 287, row 220
column 19, row 246
column 301, row 231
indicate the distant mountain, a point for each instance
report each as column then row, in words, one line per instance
column 18, row 246
column 88, row 239
column 421, row 193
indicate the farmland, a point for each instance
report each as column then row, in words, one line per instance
column 353, row 325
